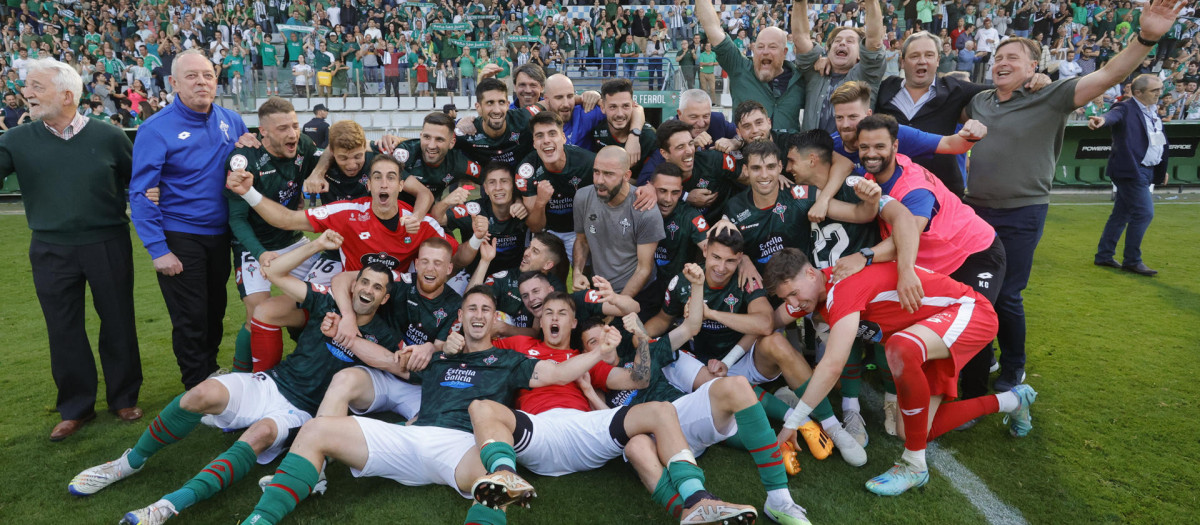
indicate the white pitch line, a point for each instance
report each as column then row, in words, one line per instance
column 995, row 511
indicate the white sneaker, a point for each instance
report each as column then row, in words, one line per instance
column 788, row 396
column 891, row 411
column 92, row 480
column 789, row 514
column 854, row 424
column 320, row 488
column 712, row 511
column 849, row 448
column 157, row 513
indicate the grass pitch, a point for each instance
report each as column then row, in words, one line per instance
column 1114, row 437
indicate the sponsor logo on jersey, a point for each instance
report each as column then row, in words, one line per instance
column 730, row 163
column 700, row 224
column 265, row 158
column 460, row 377
column 522, row 184
column 184, row 135
column 382, row 257
column 743, row 215
column 364, row 235
column 592, row 296
column 459, row 212
column 319, row 288
column 800, row 192
column 473, row 168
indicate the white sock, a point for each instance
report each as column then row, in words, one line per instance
column 915, row 458
column 1008, row 402
column 831, row 425
column 890, row 397
column 779, row 498
column 850, row 404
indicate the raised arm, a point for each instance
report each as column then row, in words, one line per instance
column 548, row 372
column 638, row 374
column 1157, row 18
column 693, row 313
column 710, row 21
column 274, row 213
column 279, row 271
column 424, row 197
column 801, row 32
column 865, row 211
column 756, row 320
column 874, row 28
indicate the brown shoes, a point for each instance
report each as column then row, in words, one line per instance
column 128, row 414
column 66, row 427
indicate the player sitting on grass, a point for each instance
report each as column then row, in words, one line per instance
column 724, row 408
column 557, row 433
column 438, row 447
column 736, row 318
column 270, row 403
column 925, row 351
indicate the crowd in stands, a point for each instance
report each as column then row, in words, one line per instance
column 375, row 47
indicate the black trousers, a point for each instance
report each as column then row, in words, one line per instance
column 60, row 274
column 984, row 272
column 196, row 300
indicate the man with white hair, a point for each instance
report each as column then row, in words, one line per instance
column 80, row 235
column 768, row 78
column 187, row 232
column 710, row 129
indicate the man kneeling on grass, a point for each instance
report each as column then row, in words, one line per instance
column 270, row 403
column 925, row 350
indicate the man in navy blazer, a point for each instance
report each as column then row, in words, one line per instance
column 1138, row 159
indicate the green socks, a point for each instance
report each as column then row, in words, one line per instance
column 775, row 408
column 822, row 411
column 242, row 357
column 686, row 476
column 852, row 373
column 756, row 435
column 222, row 472
column 498, row 455
column 170, row 426
column 293, row 481
column 484, row 515
column 666, row 496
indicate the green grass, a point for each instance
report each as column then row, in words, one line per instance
column 1115, row 437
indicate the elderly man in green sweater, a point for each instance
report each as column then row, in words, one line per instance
column 80, row 236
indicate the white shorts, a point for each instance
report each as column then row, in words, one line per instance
column 682, row 373
column 392, row 394
column 253, row 398
column 696, row 420
column 568, row 239
column 565, row 441
column 249, row 276
column 413, row 455
column 459, row 282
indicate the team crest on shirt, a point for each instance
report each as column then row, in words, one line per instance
column 702, row 184
column 473, row 208
column 489, row 360
column 779, row 210
column 401, row 154
column 514, row 136
column 525, row 171
column 574, row 181
column 299, row 160
column 672, row 228
column 731, row 300
column 439, row 314
column 238, row 162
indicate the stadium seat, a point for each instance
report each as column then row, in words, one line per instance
column 389, row 104
column 380, row 119
column 250, row 119
column 408, row 104
column 301, row 104
column 425, row 103
column 371, row 103
column 335, row 104
column 1185, row 174
column 400, row 120
column 1092, row 175
column 462, row 103
column 354, row 103
column 258, row 102
column 1063, row 177
column 726, row 100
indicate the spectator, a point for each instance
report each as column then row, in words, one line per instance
column 15, row 112
column 301, row 73
column 317, row 129
column 687, row 60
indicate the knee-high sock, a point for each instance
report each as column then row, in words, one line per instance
column 757, row 436
column 774, row 407
column 483, row 515
column 229, row 467
column 822, row 411
column 889, row 382
column 169, row 426
column 906, row 354
column 666, row 496
column 852, row 372
column 497, row 455
column 266, row 345
column 293, row 481
column 685, row 475
column 242, row 360
column 950, row 415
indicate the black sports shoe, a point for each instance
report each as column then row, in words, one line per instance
column 1009, row 379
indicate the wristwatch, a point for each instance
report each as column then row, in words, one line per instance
column 637, row 132
column 869, row 254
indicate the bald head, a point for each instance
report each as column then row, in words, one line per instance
column 610, row 174
column 614, row 154
column 559, row 96
column 770, row 51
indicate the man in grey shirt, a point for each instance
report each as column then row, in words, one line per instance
column 1013, row 167
column 617, row 239
column 854, row 54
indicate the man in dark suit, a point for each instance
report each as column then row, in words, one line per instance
column 1137, row 160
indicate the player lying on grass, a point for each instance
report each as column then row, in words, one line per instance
column 375, row 228
column 737, row 318
column 270, row 403
column 438, row 447
column 925, row 351
column 725, row 408
column 556, row 432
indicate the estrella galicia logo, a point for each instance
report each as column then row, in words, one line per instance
column 459, row 378
column 382, row 257
column 342, row 353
